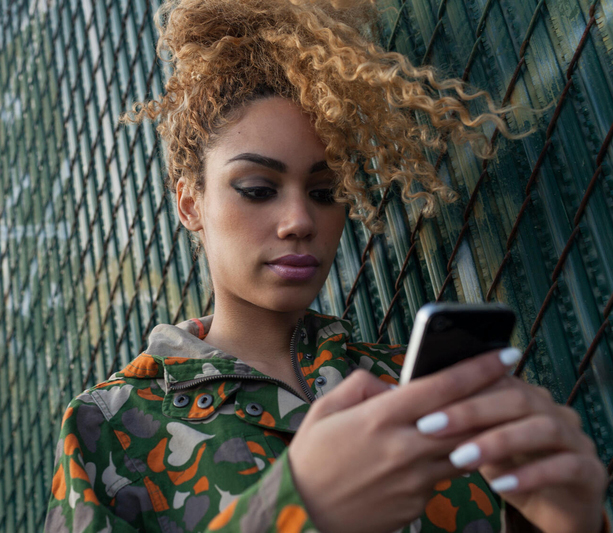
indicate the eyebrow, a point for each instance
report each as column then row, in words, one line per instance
column 274, row 164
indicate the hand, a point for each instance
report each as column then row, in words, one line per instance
column 532, row 451
column 358, row 460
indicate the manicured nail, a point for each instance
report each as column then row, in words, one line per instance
column 432, row 423
column 504, row 484
column 509, row 356
column 465, row 455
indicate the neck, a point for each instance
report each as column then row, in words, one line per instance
column 255, row 335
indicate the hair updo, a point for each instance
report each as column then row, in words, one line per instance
column 371, row 108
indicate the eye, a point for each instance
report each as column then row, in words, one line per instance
column 256, row 193
column 324, row 196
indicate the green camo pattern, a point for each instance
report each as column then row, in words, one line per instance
column 189, row 438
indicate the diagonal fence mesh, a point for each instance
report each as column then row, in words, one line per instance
column 93, row 255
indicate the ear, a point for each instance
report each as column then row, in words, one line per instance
column 187, row 209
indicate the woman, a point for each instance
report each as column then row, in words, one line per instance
column 267, row 416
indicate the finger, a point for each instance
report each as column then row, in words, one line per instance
column 555, row 470
column 358, row 387
column 440, row 473
column 512, row 400
column 427, row 394
column 567, row 413
column 542, row 399
column 503, row 383
column 531, row 435
column 410, row 449
column 478, row 412
column 424, row 476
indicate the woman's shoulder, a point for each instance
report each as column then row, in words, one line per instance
column 383, row 360
column 138, row 387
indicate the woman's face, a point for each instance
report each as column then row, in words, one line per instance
column 267, row 220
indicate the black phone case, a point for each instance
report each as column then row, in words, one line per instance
column 454, row 335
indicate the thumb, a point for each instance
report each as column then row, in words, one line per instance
column 358, row 387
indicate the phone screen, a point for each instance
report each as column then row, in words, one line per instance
column 448, row 333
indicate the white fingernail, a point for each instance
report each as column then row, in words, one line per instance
column 465, row 455
column 392, row 386
column 432, row 423
column 504, row 484
column 509, row 356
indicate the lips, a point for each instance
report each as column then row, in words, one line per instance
column 295, row 267
column 296, row 260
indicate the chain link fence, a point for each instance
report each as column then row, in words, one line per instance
column 93, row 255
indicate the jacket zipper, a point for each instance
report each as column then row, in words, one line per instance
column 172, row 387
column 294, row 356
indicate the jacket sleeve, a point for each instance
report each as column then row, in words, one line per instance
column 90, row 469
column 88, row 472
column 272, row 504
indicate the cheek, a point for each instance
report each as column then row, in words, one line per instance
column 336, row 224
column 230, row 231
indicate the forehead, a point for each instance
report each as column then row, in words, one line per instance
column 272, row 127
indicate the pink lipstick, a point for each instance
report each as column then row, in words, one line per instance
column 295, row 267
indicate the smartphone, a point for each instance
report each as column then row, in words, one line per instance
column 444, row 334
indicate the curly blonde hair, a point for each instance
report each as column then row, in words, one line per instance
column 372, row 108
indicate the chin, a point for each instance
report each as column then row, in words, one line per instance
column 291, row 301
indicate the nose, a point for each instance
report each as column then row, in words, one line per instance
column 297, row 218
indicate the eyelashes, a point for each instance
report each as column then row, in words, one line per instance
column 260, row 194
column 256, row 193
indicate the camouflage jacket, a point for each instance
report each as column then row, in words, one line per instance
column 189, row 438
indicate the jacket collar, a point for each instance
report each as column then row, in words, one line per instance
column 180, row 353
column 205, row 377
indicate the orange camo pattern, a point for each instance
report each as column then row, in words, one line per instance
column 480, row 498
column 399, row 359
column 200, row 326
column 221, row 390
column 388, row 379
column 109, row 383
column 334, row 338
column 197, row 412
column 144, row 366
column 442, row 513
column 71, row 443
column 356, row 350
column 254, row 447
column 201, row 485
column 285, row 437
column 124, row 438
column 77, row 472
column 249, row 471
column 89, row 496
column 155, row 459
column 147, row 394
column 442, row 486
column 175, row 360
column 267, row 420
column 291, row 519
column 185, row 475
column 223, row 518
column 325, row 355
column 178, row 455
column 159, row 501
column 58, row 485
column 67, row 414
